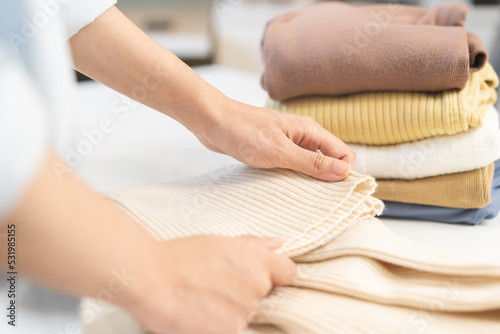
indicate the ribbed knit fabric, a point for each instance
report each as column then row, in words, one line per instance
column 466, row 190
column 448, row 215
column 379, row 282
column 304, row 212
column 382, row 118
column 371, row 238
column 306, row 311
column 334, row 48
column 433, row 156
column 389, row 269
column 354, row 274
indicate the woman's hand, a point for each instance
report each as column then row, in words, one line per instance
column 208, row 284
column 256, row 136
column 266, row 138
column 76, row 241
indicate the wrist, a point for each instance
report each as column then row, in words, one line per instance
column 144, row 281
column 202, row 111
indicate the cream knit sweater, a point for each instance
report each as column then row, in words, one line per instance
column 433, row 156
column 354, row 275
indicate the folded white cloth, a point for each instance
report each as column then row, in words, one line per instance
column 354, row 274
column 433, row 156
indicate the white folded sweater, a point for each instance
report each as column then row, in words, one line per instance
column 433, row 156
column 354, row 275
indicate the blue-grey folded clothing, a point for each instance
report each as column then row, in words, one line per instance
column 448, row 215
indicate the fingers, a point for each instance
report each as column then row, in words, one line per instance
column 315, row 137
column 316, row 164
column 332, row 146
column 334, row 160
column 283, row 270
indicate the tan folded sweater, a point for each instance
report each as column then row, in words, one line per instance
column 334, row 48
column 355, row 275
column 467, row 190
column 382, row 118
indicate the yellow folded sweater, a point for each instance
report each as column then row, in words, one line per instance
column 382, row 118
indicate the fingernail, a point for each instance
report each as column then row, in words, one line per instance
column 274, row 243
column 341, row 168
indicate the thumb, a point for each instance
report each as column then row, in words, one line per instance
column 317, row 164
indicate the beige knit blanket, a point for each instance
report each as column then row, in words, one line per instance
column 354, row 275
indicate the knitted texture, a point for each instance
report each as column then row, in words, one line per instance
column 466, row 190
column 433, row 156
column 304, row 212
column 354, row 274
column 449, row 215
column 382, row 118
column 333, row 48
column 307, row 311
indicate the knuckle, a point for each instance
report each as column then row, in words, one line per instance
column 262, row 286
column 289, row 271
column 311, row 122
column 317, row 162
column 291, row 274
column 308, row 119
column 353, row 153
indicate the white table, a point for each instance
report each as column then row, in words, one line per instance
column 147, row 147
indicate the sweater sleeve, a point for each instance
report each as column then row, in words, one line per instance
column 76, row 14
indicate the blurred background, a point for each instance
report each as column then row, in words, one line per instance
column 228, row 32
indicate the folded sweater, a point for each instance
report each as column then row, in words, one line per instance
column 433, row 156
column 382, row 118
column 315, row 211
column 466, row 190
column 381, row 280
column 309, row 311
column 334, row 48
column 448, row 215
column 360, row 282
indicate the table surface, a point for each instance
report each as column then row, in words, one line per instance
column 144, row 146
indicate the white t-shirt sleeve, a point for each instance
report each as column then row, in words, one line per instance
column 36, row 95
column 76, row 14
column 23, row 130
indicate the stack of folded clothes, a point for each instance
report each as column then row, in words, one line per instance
column 408, row 88
column 354, row 274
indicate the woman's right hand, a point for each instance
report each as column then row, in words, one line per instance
column 76, row 241
column 208, row 284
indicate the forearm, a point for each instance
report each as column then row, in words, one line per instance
column 115, row 52
column 74, row 240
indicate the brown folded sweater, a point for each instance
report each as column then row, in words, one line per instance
column 334, row 48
